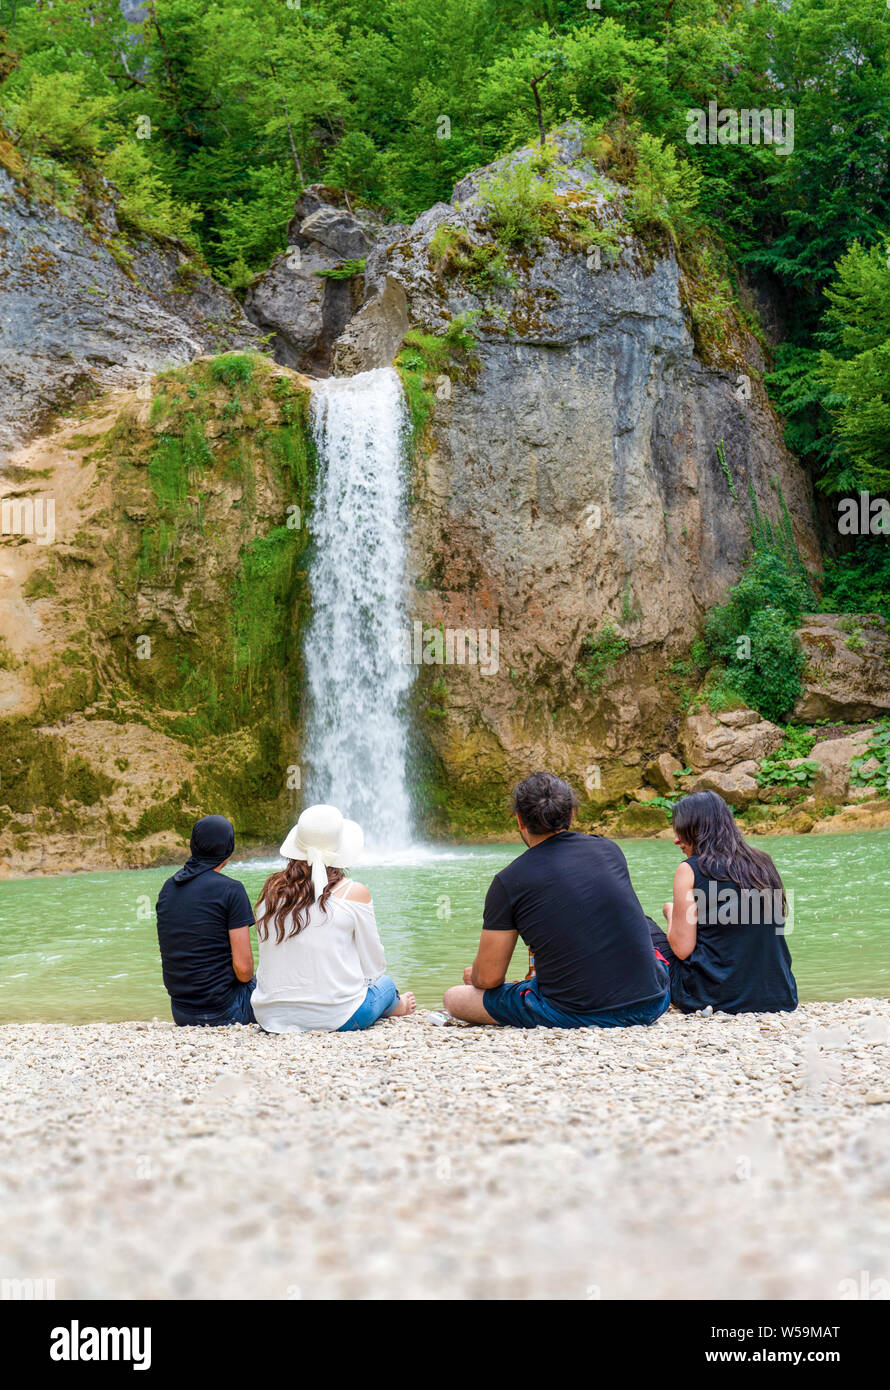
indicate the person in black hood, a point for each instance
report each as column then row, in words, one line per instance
column 204, row 921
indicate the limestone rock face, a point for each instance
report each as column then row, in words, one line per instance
column 569, row 479
column 148, row 656
column 74, row 321
column 723, row 741
column 848, row 664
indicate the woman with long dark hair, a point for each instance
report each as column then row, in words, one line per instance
column 725, row 945
column 321, row 959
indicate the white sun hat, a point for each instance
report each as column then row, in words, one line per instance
column 325, row 840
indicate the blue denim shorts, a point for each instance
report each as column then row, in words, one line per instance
column 239, row 1011
column 380, row 999
column 522, row 1005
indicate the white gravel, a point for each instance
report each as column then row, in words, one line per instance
column 715, row 1157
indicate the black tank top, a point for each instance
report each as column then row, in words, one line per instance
column 741, row 962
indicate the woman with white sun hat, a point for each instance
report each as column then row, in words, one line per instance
column 321, row 959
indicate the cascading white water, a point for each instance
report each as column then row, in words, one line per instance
column 357, row 735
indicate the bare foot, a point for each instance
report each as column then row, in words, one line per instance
column 406, row 1005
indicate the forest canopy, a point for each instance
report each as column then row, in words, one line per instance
column 210, row 117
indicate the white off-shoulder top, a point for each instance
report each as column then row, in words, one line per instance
column 317, row 979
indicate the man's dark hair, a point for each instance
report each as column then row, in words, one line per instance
column 544, row 803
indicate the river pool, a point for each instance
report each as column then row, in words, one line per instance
column 82, row 947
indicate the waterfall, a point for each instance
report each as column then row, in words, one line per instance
column 357, row 735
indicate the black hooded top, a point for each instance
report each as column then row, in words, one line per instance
column 196, row 911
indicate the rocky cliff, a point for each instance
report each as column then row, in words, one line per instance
column 150, row 649
column 85, row 308
column 569, row 386
column 567, row 475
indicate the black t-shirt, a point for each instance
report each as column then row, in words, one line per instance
column 194, row 921
column 741, row 962
column 572, row 902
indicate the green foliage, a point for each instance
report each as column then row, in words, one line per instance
column 727, row 471
column 521, row 204
column 798, row 387
column 770, row 679
column 345, row 270
column 753, row 632
column 146, row 205
column 778, row 772
column 483, row 265
column 426, row 358
column 599, row 652
column 798, row 742
column 858, row 373
column 233, row 368
column 56, row 115
column 263, row 598
column 872, row 767
column 859, row 581
column 665, row 191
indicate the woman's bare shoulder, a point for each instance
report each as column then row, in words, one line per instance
column 355, row 892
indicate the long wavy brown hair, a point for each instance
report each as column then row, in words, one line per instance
column 290, row 891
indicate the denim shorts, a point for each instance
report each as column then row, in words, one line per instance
column 380, row 999
column 522, row 1005
column 239, row 1011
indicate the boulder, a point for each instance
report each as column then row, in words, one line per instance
column 847, row 676
column 871, row 815
column 661, row 773
column 736, row 785
column 373, row 337
column 713, row 742
column 338, row 231
column 832, row 781
column 299, row 301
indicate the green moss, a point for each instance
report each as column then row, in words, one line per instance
column 426, row 358
column 599, row 652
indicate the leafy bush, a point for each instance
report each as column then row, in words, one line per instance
column 753, row 632
column 665, row 191
column 877, row 751
column 859, row 581
column 777, row 772
column 253, row 229
column 599, row 653
column 858, row 373
column 147, row 205
column 770, row 678
column 56, row 116
column 345, row 270
column 521, row 204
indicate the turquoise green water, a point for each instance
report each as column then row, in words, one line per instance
column 82, row 947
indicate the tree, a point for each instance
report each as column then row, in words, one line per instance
column 858, row 373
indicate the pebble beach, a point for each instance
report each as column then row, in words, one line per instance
column 702, row 1157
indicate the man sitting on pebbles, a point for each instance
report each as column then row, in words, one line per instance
column 204, row 921
column 570, row 898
